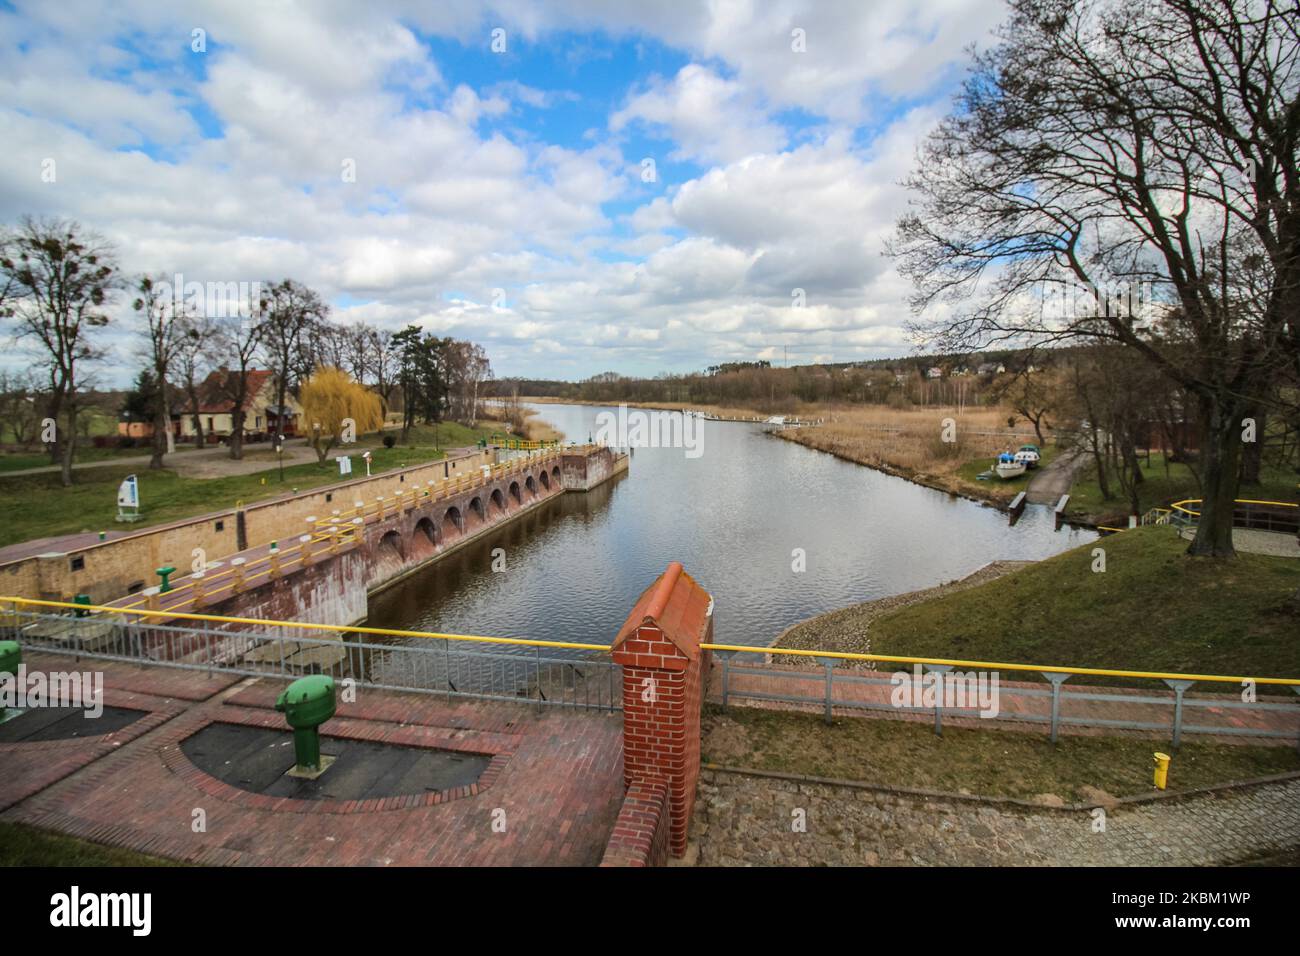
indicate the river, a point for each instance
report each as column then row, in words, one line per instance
column 734, row 516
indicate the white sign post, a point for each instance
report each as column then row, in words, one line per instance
column 128, row 500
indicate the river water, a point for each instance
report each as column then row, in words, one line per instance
column 734, row 516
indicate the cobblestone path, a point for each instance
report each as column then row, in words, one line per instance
column 747, row 820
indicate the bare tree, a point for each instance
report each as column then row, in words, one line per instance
column 1146, row 152
column 59, row 279
column 290, row 314
column 20, row 405
column 197, row 337
column 238, row 339
column 164, row 334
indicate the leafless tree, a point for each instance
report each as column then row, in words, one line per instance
column 59, row 278
column 1148, row 151
column 164, row 331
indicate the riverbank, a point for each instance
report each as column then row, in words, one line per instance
column 847, row 630
column 1148, row 606
column 904, row 443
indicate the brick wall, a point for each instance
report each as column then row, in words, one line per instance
column 640, row 836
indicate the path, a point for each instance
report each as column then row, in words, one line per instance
column 1279, row 544
column 550, row 795
column 742, row 819
column 1054, row 479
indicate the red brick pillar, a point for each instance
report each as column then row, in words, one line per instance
column 663, row 690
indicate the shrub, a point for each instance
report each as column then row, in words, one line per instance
column 389, row 441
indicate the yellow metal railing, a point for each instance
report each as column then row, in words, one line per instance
column 17, row 603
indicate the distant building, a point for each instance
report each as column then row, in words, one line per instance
column 261, row 415
column 934, row 372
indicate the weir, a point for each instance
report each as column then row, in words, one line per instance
column 326, row 574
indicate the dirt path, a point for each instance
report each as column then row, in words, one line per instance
column 1055, row 480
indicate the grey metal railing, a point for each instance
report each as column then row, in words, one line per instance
column 832, row 688
column 455, row 668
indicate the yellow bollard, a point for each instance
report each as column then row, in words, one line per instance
column 1162, row 770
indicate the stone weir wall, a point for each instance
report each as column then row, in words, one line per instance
column 108, row 569
column 333, row 584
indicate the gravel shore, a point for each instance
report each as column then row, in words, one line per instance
column 848, row 630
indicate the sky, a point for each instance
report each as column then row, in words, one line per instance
column 579, row 186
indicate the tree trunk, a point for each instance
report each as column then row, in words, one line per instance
column 1220, row 455
column 237, row 434
column 161, row 422
column 66, row 446
column 52, row 411
column 1252, row 453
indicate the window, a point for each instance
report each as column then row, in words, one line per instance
column 329, row 496
column 211, row 427
column 221, row 526
column 79, row 563
column 258, row 420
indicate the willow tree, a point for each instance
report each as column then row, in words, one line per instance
column 335, row 409
column 1146, row 153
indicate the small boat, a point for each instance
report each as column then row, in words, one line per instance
column 1030, row 455
column 1008, row 467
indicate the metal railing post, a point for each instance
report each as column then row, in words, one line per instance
column 829, row 664
column 941, row 670
column 1179, row 686
column 1057, row 679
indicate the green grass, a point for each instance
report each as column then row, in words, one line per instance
column 22, row 845
column 38, row 506
column 986, row 762
column 1160, row 489
column 1153, row 608
column 18, row 461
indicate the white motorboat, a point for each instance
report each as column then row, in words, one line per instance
column 1009, row 467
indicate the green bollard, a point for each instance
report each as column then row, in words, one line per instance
column 11, row 655
column 81, row 599
column 164, row 573
column 306, row 704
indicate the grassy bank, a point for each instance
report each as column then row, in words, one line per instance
column 22, row 845
column 1153, row 608
column 38, row 506
column 986, row 762
column 1164, row 483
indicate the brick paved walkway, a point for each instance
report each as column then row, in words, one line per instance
column 555, row 783
column 743, row 820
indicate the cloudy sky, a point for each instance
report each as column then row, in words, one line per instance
column 580, row 186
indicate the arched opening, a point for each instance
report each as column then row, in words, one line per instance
column 545, row 479
column 452, row 524
column 424, row 540
column 531, row 485
column 389, row 557
column 555, row 477
column 476, row 515
column 514, row 493
column 498, row 502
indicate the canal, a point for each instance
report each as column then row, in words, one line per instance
column 734, row 516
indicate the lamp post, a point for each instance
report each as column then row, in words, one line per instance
column 279, row 453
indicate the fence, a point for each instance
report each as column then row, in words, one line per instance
column 543, row 673
column 1053, row 706
column 583, row 675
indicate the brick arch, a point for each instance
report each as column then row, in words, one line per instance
column 453, row 524
column 475, row 515
column 498, row 501
column 388, row 557
column 545, row 479
column 531, row 484
column 555, row 476
column 424, row 540
column 514, row 492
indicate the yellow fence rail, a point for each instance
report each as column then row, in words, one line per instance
column 17, row 602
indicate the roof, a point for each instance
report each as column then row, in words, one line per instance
column 677, row 605
column 214, row 397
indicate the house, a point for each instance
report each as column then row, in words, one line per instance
column 934, row 372
column 991, row 368
column 262, row 416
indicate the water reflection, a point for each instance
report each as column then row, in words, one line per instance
column 735, row 517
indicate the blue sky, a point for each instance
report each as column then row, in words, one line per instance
column 501, row 196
